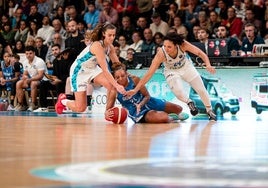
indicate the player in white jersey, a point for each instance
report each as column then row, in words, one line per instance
column 178, row 67
column 91, row 66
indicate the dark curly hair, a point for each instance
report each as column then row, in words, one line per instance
column 175, row 38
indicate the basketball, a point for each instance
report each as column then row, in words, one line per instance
column 120, row 115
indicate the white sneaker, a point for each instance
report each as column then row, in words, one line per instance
column 41, row 110
column 10, row 107
column 67, row 110
column 32, row 107
column 88, row 110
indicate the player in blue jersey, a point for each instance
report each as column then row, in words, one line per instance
column 178, row 67
column 142, row 108
column 91, row 66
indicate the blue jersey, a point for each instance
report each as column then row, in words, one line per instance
column 130, row 103
column 8, row 73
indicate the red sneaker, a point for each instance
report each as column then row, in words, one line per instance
column 59, row 107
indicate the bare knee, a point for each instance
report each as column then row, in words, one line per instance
column 156, row 117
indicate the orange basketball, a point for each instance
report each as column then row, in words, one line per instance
column 120, row 115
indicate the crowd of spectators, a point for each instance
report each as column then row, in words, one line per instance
column 141, row 24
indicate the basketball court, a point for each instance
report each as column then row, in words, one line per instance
column 44, row 150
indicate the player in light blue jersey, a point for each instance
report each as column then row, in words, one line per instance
column 91, row 67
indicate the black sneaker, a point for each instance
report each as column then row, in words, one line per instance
column 193, row 109
column 212, row 116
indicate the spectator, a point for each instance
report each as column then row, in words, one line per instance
column 158, row 24
column 46, row 31
column 16, row 18
column 191, row 12
column 129, row 62
column 232, row 43
column 61, row 67
column 108, row 14
column 34, row 70
column 223, row 8
column 125, row 8
column 137, row 41
column 233, row 23
column 117, row 51
column 148, row 44
column 203, row 36
column 57, row 39
column 43, row 7
column 19, row 47
column 59, row 14
column 25, row 5
column 53, row 6
column 9, row 75
column 75, row 40
column 22, row 32
column 251, row 38
column 91, row 17
column 123, row 46
column 40, row 48
column 250, row 18
column 257, row 10
column 35, row 15
column 239, row 8
column 192, row 36
column 58, row 28
column 141, row 24
column 126, row 29
column 8, row 34
column 161, row 8
column 30, row 41
column 171, row 13
column 214, row 23
column 5, row 46
column 203, row 20
column 180, row 28
column 158, row 40
column 33, row 29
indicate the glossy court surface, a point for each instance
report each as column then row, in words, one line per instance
column 43, row 150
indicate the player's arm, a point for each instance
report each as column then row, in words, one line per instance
column 111, row 98
column 186, row 46
column 98, row 50
column 157, row 60
column 143, row 91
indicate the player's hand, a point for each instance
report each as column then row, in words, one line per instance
column 109, row 114
column 138, row 108
column 211, row 69
column 121, row 89
column 130, row 93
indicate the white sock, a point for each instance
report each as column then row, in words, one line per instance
column 64, row 101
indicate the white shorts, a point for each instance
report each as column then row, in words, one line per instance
column 82, row 77
column 187, row 73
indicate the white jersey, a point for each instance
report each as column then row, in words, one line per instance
column 175, row 63
column 85, row 68
column 38, row 64
column 180, row 66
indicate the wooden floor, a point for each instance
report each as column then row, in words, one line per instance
column 79, row 150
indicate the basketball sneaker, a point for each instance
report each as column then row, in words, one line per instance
column 182, row 116
column 193, row 108
column 212, row 116
column 59, row 107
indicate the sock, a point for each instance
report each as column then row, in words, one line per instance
column 89, row 97
column 64, row 101
column 70, row 96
